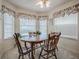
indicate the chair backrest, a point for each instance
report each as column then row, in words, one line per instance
column 53, row 40
column 57, row 36
column 50, row 41
column 16, row 37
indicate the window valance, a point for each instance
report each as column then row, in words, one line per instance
column 19, row 14
column 24, row 15
column 68, row 11
column 42, row 17
column 7, row 10
column 27, row 17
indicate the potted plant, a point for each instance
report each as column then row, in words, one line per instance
column 38, row 33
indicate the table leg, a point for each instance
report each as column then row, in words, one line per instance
column 32, row 56
column 27, row 49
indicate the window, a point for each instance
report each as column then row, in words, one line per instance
column 31, row 24
column 43, row 25
column 8, row 25
column 27, row 24
column 67, row 25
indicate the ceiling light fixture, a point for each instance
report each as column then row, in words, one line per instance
column 43, row 3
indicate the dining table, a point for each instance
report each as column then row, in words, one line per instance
column 34, row 40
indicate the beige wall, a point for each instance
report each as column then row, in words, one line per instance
column 0, row 31
column 0, row 3
column 1, row 46
column 0, row 26
column 5, row 45
column 4, row 2
column 78, row 25
column 0, row 18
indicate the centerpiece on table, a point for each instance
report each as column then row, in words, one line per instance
column 38, row 32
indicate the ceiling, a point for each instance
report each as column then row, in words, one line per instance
column 31, row 4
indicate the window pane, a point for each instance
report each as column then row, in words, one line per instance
column 43, row 25
column 67, row 25
column 27, row 25
column 8, row 25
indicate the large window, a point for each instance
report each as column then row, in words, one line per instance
column 27, row 24
column 31, row 24
column 8, row 23
column 67, row 25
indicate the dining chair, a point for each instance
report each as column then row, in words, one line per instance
column 56, row 37
column 50, row 47
column 21, row 50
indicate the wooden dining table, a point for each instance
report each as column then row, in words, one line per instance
column 34, row 40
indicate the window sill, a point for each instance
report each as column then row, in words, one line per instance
column 9, row 38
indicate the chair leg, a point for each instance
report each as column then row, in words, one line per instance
column 27, row 49
column 22, row 56
column 34, row 52
column 47, row 55
column 29, row 56
column 19, row 56
column 34, row 49
column 40, row 53
column 55, row 55
column 57, row 48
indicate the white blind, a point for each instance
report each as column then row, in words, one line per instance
column 27, row 24
column 67, row 25
column 67, row 19
column 43, row 25
column 8, row 25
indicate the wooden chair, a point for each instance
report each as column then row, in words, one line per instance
column 50, row 47
column 57, row 36
column 20, row 50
